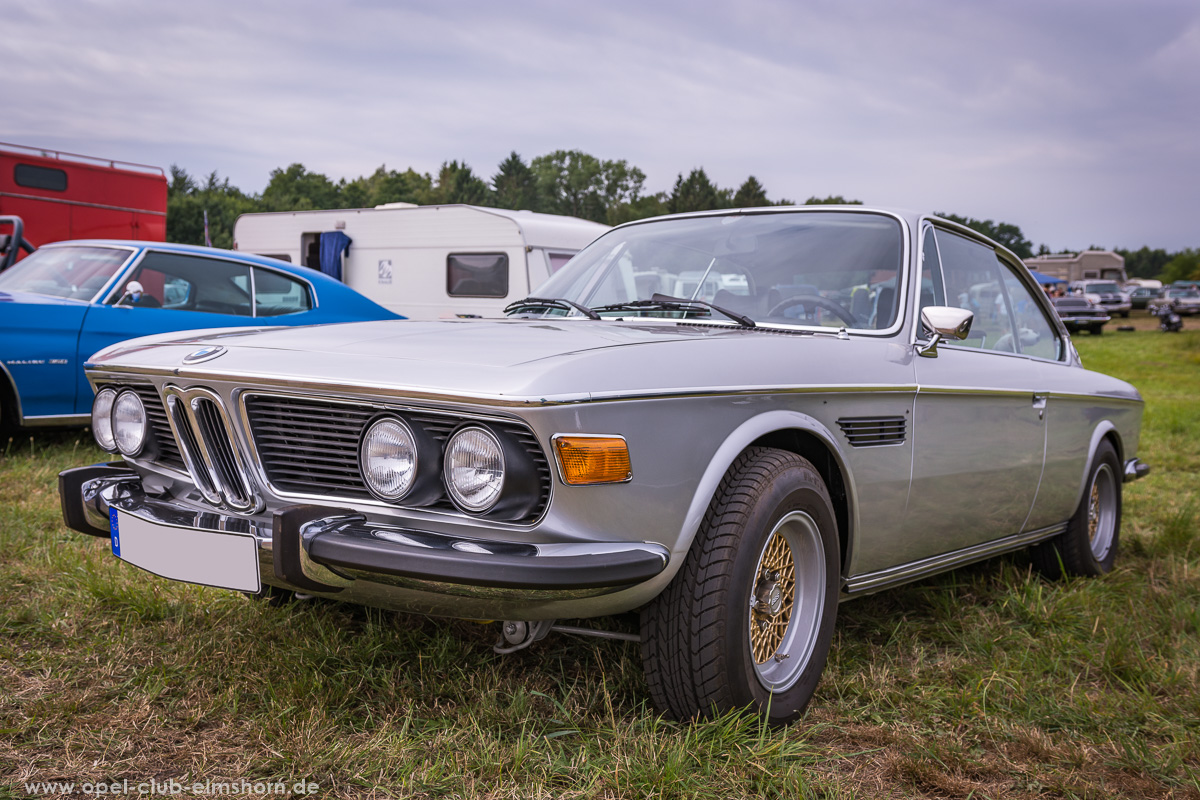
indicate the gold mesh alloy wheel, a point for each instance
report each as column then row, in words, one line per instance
column 786, row 601
column 776, row 573
column 1102, row 512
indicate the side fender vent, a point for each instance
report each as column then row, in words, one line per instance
column 873, row 431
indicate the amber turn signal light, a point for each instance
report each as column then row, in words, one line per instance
column 585, row 460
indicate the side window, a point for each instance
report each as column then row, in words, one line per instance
column 276, row 294
column 192, row 283
column 35, row 177
column 971, row 273
column 1035, row 334
column 1007, row 319
column 933, row 293
column 477, row 275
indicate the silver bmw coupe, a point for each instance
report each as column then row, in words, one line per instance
column 729, row 422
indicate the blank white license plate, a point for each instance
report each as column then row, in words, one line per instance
column 210, row 558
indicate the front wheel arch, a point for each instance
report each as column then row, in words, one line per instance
column 785, row 430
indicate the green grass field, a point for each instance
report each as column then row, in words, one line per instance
column 986, row 682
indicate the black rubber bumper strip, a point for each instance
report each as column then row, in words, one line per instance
column 285, row 545
column 361, row 551
column 70, row 493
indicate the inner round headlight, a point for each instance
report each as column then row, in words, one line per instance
column 388, row 458
column 101, row 419
column 129, row 423
column 474, row 469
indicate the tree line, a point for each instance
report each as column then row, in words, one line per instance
column 568, row 182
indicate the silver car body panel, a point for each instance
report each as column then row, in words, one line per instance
column 991, row 451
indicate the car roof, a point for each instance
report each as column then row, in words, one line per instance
column 306, row 273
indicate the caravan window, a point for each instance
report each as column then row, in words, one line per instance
column 558, row 260
column 477, row 275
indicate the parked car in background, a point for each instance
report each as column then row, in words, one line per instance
column 1141, row 297
column 67, row 300
column 1105, row 294
column 1078, row 314
column 1184, row 301
column 723, row 463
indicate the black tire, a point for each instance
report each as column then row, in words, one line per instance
column 697, row 638
column 1096, row 330
column 1088, row 547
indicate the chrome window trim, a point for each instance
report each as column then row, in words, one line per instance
column 251, row 265
column 240, row 397
column 902, row 268
column 1015, row 264
column 558, row 464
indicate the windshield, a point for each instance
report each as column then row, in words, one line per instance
column 1107, row 288
column 76, row 273
column 822, row 269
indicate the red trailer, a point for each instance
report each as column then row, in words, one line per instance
column 70, row 196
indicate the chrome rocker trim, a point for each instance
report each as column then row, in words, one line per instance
column 874, row 581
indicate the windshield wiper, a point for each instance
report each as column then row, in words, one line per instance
column 552, row 302
column 668, row 303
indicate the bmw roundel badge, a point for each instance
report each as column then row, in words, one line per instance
column 203, row 354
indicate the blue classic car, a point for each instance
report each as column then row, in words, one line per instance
column 69, row 299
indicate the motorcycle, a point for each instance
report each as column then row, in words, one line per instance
column 1168, row 320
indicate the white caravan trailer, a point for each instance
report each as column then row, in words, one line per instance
column 425, row 262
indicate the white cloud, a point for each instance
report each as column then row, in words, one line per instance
column 1075, row 120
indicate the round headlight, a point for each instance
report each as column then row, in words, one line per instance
column 129, row 423
column 474, row 469
column 388, row 458
column 101, row 419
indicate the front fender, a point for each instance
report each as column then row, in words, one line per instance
column 738, row 440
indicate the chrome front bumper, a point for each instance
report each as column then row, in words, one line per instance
column 340, row 553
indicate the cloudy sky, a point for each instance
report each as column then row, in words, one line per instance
column 1078, row 121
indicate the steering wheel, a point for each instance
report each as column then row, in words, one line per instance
column 840, row 311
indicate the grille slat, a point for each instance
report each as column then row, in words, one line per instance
column 310, row 446
column 874, row 431
column 220, row 449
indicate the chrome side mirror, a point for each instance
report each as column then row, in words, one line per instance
column 133, row 293
column 943, row 322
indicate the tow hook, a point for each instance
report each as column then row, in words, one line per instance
column 517, row 635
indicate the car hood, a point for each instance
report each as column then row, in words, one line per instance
column 509, row 360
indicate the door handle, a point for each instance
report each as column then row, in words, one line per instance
column 1039, row 403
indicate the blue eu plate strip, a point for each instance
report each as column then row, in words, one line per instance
column 116, row 535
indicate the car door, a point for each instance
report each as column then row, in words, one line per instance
column 181, row 292
column 980, row 412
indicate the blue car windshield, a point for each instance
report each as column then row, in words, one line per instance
column 76, row 273
column 819, row 269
